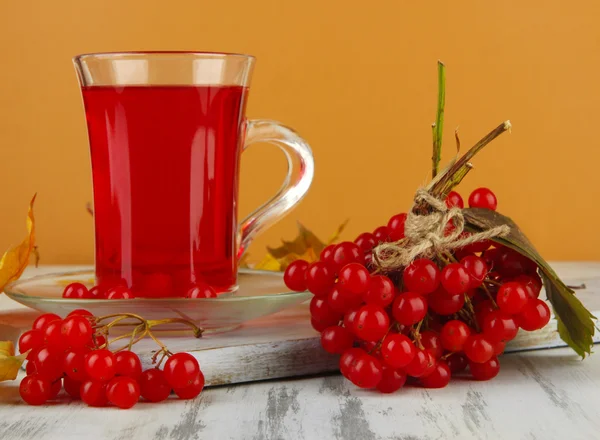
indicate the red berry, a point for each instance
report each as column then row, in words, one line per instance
column 80, row 312
column 455, row 279
column 100, row 365
column 342, row 301
column 47, row 363
column 422, row 364
column 371, row 323
column 98, row 341
column 193, row 389
column 201, row 290
column 153, row 385
column 336, row 339
column 349, row 318
column 381, row 291
column 295, row 275
column 421, row 276
column 77, row 331
column 476, row 268
column 321, row 311
column 478, row 349
column 498, row 347
column 354, row 278
column 512, row 297
column 121, row 292
column 366, row 372
column 454, row 335
column 35, row 389
column 532, row 284
column 181, row 370
column 498, row 326
column 97, row 292
column 326, row 254
column 457, row 362
column 483, row 198
column 320, row 278
column 42, row 321
column 123, row 392
column 482, row 309
column 127, row 363
column 31, row 340
column 396, row 227
column 510, row 264
column 319, row 326
column 93, row 393
column 409, row 308
column 431, row 341
column 444, row 304
column 345, row 253
column 534, row 316
column 438, row 378
column 485, row 370
column 454, row 200
column 72, row 387
column 54, row 338
column 397, row 350
column 348, row 360
column 392, row 380
column 76, row 291
column 492, row 257
column 74, row 365
column 382, row 234
column 366, row 241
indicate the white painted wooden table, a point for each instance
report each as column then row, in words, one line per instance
column 542, row 394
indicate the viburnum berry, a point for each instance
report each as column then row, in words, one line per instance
column 366, row 241
column 349, row 318
column 422, row 364
column 512, row 297
column 457, row 362
column 153, row 385
column 534, row 316
column 294, row 276
column 348, row 360
column 341, row 300
column 77, row 331
column 478, row 349
column 345, row 253
column 119, row 292
column 438, row 378
column 326, row 254
column 47, row 363
column 455, row 279
column 31, row 340
column 498, row 326
column 482, row 309
column 392, row 379
column 396, row 227
column 80, row 312
column 431, row 342
column 382, row 234
column 476, row 268
column 73, row 364
column 409, row 308
column 485, row 370
column 397, row 350
column 181, row 369
column 193, row 389
column 100, row 365
column 381, row 291
column 320, row 278
column 336, row 339
column 76, row 291
column 366, row 371
column 483, row 198
column 355, row 278
column 321, row 311
column 454, row 334
column 454, row 200
column 93, row 393
column 42, row 321
column 202, row 290
column 35, row 389
column 421, row 276
column 72, row 387
column 127, row 363
column 510, row 263
column 532, row 284
column 123, row 391
column 371, row 322
column 499, row 347
column 444, row 304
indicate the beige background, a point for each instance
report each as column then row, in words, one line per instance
column 357, row 79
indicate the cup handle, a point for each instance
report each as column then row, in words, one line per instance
column 292, row 190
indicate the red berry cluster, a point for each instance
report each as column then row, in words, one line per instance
column 121, row 291
column 69, row 353
column 429, row 321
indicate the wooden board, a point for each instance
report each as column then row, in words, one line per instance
column 285, row 345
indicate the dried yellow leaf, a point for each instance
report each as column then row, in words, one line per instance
column 9, row 363
column 15, row 260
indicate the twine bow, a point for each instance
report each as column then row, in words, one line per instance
column 427, row 235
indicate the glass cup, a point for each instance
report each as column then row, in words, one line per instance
column 166, row 132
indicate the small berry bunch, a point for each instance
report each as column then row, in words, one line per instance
column 120, row 290
column 429, row 320
column 74, row 353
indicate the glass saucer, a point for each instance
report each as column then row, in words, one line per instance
column 260, row 293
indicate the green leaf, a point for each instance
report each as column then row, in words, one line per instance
column 438, row 127
column 575, row 322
